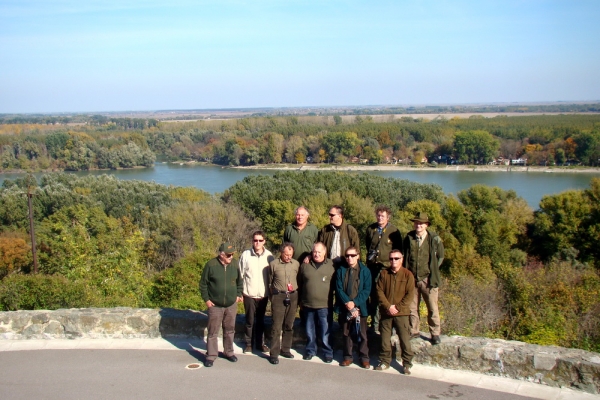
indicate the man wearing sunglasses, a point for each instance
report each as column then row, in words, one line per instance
column 352, row 287
column 395, row 292
column 338, row 235
column 254, row 269
column 221, row 290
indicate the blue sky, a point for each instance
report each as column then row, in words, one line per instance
column 108, row 55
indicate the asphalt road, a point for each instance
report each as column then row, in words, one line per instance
column 156, row 374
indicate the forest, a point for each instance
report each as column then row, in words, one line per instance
column 99, row 142
column 509, row 272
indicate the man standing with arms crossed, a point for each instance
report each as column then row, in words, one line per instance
column 284, row 301
column 302, row 234
column 395, row 291
column 254, row 269
column 382, row 236
column 221, row 290
column 424, row 253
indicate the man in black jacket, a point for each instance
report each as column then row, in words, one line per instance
column 338, row 236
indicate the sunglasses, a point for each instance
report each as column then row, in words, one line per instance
column 228, row 255
column 259, row 240
column 333, row 215
column 351, row 255
column 395, row 258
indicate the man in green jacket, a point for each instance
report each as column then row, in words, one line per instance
column 423, row 255
column 381, row 237
column 221, row 289
column 302, row 234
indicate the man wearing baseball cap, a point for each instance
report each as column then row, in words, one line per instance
column 221, row 289
column 423, row 254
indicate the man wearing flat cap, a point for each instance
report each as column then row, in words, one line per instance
column 423, row 254
column 221, row 289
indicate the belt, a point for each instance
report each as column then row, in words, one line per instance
column 275, row 291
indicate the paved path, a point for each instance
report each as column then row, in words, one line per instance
column 157, row 368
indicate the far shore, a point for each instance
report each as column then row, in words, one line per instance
column 397, row 167
column 367, row 168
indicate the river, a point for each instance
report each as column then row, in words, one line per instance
column 529, row 185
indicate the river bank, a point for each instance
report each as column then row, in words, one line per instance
column 349, row 167
column 391, row 168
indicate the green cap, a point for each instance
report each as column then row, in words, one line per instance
column 226, row 248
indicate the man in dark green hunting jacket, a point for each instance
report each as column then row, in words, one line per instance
column 423, row 255
column 381, row 237
column 221, row 289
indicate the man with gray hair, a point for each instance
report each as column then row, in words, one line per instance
column 316, row 296
column 302, row 234
column 221, row 290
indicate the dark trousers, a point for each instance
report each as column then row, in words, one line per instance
column 355, row 334
column 283, row 319
column 220, row 317
column 402, row 325
column 255, row 309
column 373, row 301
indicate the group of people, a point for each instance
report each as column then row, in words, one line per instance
column 321, row 271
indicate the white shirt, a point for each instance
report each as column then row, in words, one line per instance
column 254, row 271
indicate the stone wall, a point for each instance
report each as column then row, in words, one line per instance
column 548, row 365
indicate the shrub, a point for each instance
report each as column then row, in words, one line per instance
column 43, row 292
column 472, row 307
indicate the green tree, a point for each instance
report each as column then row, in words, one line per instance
column 475, row 147
column 338, row 143
column 559, row 223
column 588, row 148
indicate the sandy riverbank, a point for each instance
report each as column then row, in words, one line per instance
column 451, row 168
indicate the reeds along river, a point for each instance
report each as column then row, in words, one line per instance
column 532, row 186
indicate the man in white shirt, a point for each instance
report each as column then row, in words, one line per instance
column 254, row 270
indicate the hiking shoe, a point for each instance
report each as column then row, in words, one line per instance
column 382, row 367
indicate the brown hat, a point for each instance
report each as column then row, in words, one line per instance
column 226, row 248
column 421, row 217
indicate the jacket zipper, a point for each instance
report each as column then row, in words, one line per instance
column 225, row 294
